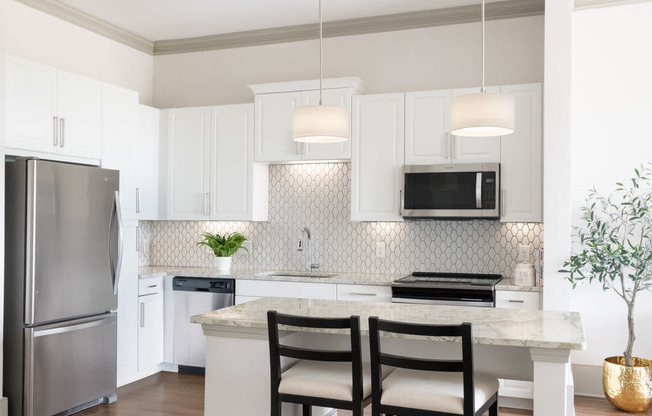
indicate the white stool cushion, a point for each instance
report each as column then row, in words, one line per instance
column 428, row 390
column 331, row 380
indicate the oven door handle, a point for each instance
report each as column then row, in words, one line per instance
column 486, row 304
column 478, row 190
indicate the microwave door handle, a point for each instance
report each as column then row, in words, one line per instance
column 478, row 190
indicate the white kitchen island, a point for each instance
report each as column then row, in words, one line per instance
column 512, row 344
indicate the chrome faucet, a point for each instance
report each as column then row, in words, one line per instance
column 310, row 266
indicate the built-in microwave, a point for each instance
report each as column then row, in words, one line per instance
column 451, row 191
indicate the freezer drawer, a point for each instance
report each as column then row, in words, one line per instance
column 70, row 364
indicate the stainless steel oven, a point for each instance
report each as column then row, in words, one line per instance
column 451, row 191
column 459, row 289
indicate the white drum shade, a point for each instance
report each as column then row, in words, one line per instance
column 320, row 124
column 483, row 115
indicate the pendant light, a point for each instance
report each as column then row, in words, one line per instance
column 483, row 114
column 320, row 123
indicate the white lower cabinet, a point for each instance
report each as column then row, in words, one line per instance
column 364, row 293
column 127, row 366
column 150, row 324
column 516, row 299
column 246, row 290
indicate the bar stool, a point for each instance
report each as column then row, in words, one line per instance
column 428, row 387
column 327, row 378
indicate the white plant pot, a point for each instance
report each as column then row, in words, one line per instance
column 223, row 264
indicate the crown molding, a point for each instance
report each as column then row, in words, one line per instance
column 592, row 4
column 92, row 23
column 506, row 9
column 348, row 27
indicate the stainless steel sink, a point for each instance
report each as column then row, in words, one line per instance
column 300, row 274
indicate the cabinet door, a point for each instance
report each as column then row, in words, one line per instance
column 427, row 127
column 188, row 163
column 30, row 105
column 79, row 107
column 364, row 293
column 128, row 309
column 340, row 97
column 119, row 142
column 513, row 299
column 273, row 135
column 231, row 164
column 146, row 192
column 475, row 149
column 377, row 157
column 521, row 158
column 150, row 331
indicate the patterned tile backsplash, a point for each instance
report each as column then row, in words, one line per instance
column 318, row 196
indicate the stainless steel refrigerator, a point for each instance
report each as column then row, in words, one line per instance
column 62, row 261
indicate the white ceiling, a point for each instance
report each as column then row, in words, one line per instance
column 177, row 19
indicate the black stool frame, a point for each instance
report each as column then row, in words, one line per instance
column 465, row 366
column 354, row 355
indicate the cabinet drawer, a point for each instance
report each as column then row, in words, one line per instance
column 150, row 286
column 517, row 300
column 364, row 293
column 262, row 288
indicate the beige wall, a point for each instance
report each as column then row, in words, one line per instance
column 409, row 60
column 40, row 37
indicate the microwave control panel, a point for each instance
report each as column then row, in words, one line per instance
column 489, row 190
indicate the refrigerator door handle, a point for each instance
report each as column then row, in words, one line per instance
column 116, row 215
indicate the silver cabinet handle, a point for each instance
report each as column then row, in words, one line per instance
column 447, row 138
column 362, row 294
column 142, row 314
column 137, row 200
column 55, row 131
column 453, row 147
column 298, row 148
column 516, row 301
column 62, row 131
column 400, row 202
column 502, row 204
column 206, row 203
column 151, row 286
column 138, row 238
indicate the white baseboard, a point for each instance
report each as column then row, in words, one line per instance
column 588, row 380
column 4, row 406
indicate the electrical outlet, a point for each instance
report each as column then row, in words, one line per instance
column 523, row 253
column 380, row 250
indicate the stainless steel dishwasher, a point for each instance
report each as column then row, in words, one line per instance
column 193, row 296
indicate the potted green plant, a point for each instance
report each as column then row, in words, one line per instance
column 615, row 250
column 223, row 246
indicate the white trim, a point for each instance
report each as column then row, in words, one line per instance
column 550, row 356
column 234, row 332
column 592, row 4
column 307, row 85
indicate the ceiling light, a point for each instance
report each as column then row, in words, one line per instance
column 320, row 123
column 483, row 114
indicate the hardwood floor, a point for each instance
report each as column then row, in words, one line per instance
column 183, row 394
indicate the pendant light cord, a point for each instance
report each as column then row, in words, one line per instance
column 483, row 36
column 321, row 65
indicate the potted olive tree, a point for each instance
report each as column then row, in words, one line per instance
column 615, row 250
column 223, row 246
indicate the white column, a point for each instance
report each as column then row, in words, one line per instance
column 557, row 152
column 553, row 387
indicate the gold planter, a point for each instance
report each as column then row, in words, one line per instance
column 628, row 388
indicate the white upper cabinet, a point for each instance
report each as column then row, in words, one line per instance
column 147, row 163
column 273, row 124
column 340, row 97
column 274, row 127
column 238, row 186
column 377, row 157
column 210, row 170
column 427, row 127
column 52, row 111
column 521, row 158
column 475, row 149
column 188, row 164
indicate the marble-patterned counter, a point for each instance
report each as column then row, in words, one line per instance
column 260, row 274
column 339, row 278
column 522, row 328
column 511, row 344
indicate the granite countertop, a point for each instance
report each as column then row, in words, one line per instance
column 523, row 328
column 260, row 274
